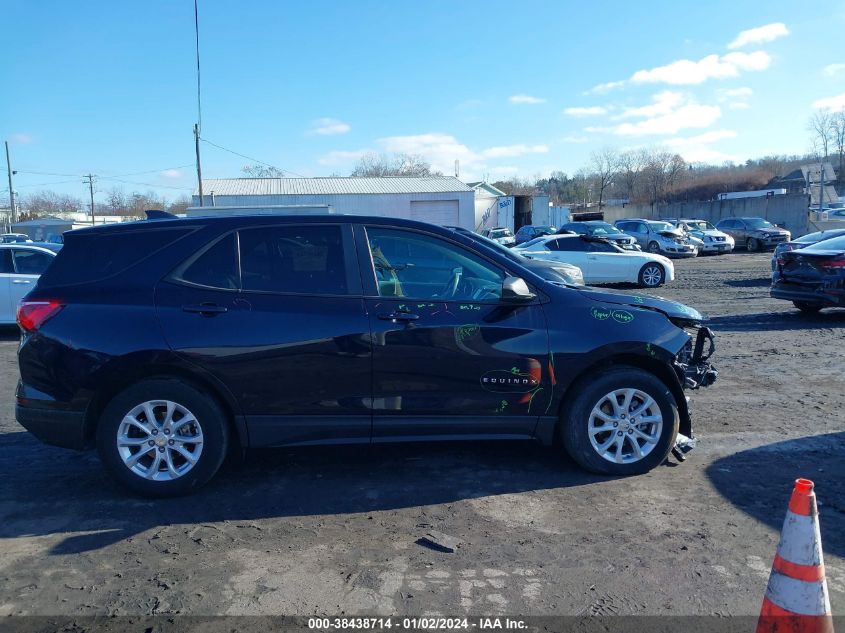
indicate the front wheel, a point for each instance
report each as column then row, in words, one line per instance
column 162, row 437
column 651, row 275
column 653, row 247
column 807, row 308
column 622, row 422
column 752, row 245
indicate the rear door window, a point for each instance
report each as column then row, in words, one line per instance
column 216, row 266
column 6, row 266
column 294, row 259
column 572, row 244
column 30, row 262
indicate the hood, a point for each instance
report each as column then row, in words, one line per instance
column 775, row 231
column 675, row 233
column 674, row 311
column 618, row 238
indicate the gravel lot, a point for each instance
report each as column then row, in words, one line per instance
column 331, row 531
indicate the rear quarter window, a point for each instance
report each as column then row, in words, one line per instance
column 96, row 256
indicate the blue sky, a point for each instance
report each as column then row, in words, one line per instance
column 509, row 88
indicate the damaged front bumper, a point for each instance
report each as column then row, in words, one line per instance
column 694, row 371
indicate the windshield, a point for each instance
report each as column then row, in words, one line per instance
column 758, row 223
column 699, row 225
column 835, row 244
column 602, row 229
column 661, row 226
column 500, row 233
column 535, row 242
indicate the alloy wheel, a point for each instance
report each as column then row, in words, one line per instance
column 652, row 275
column 159, row 440
column 625, row 426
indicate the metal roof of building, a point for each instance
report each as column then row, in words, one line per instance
column 331, row 185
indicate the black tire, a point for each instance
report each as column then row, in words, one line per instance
column 653, row 247
column 807, row 308
column 752, row 245
column 211, row 423
column 647, row 274
column 576, row 415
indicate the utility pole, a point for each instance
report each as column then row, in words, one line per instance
column 11, row 189
column 90, row 180
column 199, row 166
column 198, row 125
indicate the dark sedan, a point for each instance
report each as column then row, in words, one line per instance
column 597, row 228
column 812, row 277
column 801, row 242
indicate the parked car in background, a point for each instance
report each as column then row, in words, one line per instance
column 21, row 264
column 753, row 234
column 530, row 231
column 14, row 238
column 597, row 228
column 556, row 272
column 801, row 242
column 711, row 239
column 500, row 234
column 836, row 214
column 600, row 260
column 48, row 245
column 657, row 236
column 812, row 277
column 166, row 343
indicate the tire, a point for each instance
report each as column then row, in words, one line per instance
column 653, row 247
column 162, row 471
column 592, row 394
column 807, row 308
column 652, row 275
column 752, row 245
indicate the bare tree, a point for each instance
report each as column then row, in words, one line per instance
column 820, row 127
column 115, row 201
column 605, row 165
column 179, row 205
column 262, row 171
column 372, row 164
column 838, row 137
column 49, row 203
column 631, row 165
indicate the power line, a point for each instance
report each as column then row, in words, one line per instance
column 255, row 160
column 134, row 173
column 146, row 184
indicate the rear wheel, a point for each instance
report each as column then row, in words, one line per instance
column 162, row 437
column 651, row 275
column 752, row 245
column 621, row 422
column 807, row 308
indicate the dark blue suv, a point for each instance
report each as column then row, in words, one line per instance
column 166, row 343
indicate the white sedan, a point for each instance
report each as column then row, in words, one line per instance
column 20, row 267
column 601, row 261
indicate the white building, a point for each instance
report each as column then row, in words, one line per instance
column 442, row 200
column 493, row 207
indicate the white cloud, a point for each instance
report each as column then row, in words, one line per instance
column 701, row 139
column 760, row 35
column 509, row 151
column 22, row 138
column 329, row 127
column 730, row 93
column 686, row 72
column 738, row 105
column 341, row 157
column 834, row 104
column 505, row 170
column 587, row 111
column 669, row 113
column 171, row 174
column 831, row 70
column 526, row 99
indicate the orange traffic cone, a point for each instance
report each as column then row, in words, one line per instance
column 796, row 597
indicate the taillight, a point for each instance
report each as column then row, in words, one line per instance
column 839, row 262
column 33, row 314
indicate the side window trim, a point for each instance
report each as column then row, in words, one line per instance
column 174, row 276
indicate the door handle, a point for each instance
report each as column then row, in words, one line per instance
column 205, row 309
column 399, row 316
column 21, row 281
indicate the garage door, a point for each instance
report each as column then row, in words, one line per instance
column 442, row 212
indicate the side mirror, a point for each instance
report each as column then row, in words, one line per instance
column 514, row 289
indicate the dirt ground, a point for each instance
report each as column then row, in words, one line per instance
column 335, row 531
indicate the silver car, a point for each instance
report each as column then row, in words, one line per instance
column 658, row 237
column 711, row 239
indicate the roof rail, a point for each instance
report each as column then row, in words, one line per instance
column 158, row 214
